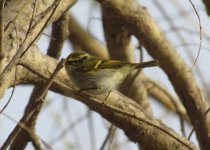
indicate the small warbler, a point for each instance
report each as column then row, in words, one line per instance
column 95, row 76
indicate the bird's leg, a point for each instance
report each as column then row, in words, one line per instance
column 81, row 91
column 103, row 101
column 107, row 95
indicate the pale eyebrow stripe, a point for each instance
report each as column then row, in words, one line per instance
column 98, row 63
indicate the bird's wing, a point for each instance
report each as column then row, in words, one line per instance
column 112, row 64
column 96, row 64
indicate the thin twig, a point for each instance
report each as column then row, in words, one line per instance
column 111, row 131
column 13, row 91
column 48, row 84
column 193, row 129
column 14, row 86
column 200, row 32
column 33, row 15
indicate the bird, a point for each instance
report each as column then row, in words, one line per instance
column 95, row 76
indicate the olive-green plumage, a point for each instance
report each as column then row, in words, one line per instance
column 96, row 76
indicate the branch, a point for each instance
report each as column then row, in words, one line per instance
column 139, row 23
column 137, row 124
column 59, row 34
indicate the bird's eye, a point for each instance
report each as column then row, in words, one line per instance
column 82, row 59
column 75, row 62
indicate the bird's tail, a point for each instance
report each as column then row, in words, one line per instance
column 147, row 64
